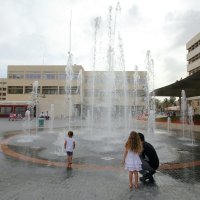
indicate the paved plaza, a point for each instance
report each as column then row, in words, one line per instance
column 32, row 165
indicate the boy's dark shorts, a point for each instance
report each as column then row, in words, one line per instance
column 69, row 153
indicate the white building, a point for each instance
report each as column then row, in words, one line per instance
column 193, row 59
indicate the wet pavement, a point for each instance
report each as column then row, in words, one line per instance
column 33, row 165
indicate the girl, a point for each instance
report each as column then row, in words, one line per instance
column 69, row 145
column 131, row 157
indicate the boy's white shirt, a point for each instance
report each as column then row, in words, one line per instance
column 70, row 144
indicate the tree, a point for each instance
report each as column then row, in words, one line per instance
column 172, row 101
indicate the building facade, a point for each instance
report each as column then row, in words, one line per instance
column 193, row 55
column 193, row 65
column 3, row 89
column 83, row 90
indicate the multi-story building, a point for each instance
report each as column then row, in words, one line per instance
column 82, row 90
column 193, row 59
column 193, row 55
column 3, row 86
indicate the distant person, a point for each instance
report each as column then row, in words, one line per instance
column 69, row 146
column 19, row 116
column 27, row 114
column 11, row 116
column 41, row 115
column 150, row 160
column 47, row 116
column 131, row 158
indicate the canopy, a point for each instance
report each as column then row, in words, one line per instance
column 190, row 84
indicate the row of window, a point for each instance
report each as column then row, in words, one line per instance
column 63, row 76
column 193, row 59
column 40, row 75
column 117, row 82
column 194, row 46
column 117, row 93
column 73, row 90
column 194, row 70
column 43, row 90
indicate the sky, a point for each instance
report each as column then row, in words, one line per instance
column 36, row 32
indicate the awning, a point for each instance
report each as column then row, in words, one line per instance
column 190, row 84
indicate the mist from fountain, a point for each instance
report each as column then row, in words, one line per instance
column 191, row 125
column 68, row 87
column 59, row 145
column 183, row 113
column 150, row 96
column 109, row 105
column 102, row 104
column 80, row 91
column 27, row 125
column 136, row 78
column 51, row 120
column 169, row 125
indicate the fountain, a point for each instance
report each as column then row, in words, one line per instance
column 150, row 96
column 169, row 125
column 106, row 105
column 107, row 120
column 51, row 118
column 136, row 78
column 191, row 125
column 183, row 113
column 111, row 106
column 27, row 125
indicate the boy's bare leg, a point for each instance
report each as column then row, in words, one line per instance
column 70, row 161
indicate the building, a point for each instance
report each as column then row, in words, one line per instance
column 51, row 86
column 193, row 66
column 191, row 83
column 3, row 89
column 84, row 90
column 193, row 55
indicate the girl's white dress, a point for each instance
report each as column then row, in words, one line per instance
column 133, row 162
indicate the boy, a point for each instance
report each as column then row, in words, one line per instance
column 69, row 145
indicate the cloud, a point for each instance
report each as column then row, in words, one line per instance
column 172, row 70
column 182, row 26
column 134, row 16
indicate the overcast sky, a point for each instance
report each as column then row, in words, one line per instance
column 37, row 32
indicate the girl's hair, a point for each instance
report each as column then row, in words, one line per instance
column 70, row 133
column 134, row 143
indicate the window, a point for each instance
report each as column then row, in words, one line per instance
column 20, row 110
column 33, row 75
column 49, row 75
column 62, row 76
column 16, row 75
column 61, row 90
column 15, row 89
column 49, row 90
column 5, row 110
column 74, row 90
column 28, row 89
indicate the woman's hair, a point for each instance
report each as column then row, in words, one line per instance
column 70, row 133
column 134, row 143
